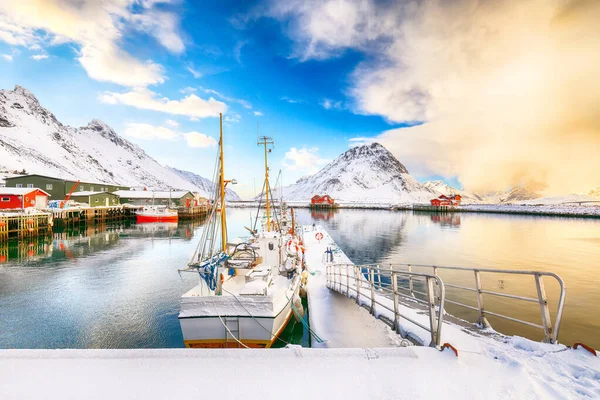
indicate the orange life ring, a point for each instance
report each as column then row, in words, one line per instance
column 319, row 236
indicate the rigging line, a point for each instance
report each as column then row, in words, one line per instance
column 250, row 314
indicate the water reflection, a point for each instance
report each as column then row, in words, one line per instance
column 323, row 214
column 446, row 219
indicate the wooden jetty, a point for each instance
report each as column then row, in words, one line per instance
column 20, row 225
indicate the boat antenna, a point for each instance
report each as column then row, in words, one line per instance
column 266, row 141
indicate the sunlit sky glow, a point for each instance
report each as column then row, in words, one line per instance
column 483, row 94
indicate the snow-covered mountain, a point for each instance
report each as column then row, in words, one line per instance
column 31, row 138
column 368, row 173
column 518, row 194
column 205, row 184
column 442, row 187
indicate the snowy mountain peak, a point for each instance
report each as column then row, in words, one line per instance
column 367, row 173
column 31, row 138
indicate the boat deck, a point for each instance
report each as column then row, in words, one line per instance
column 336, row 319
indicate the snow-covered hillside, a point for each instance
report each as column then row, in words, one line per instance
column 368, row 173
column 443, row 188
column 205, row 184
column 31, row 138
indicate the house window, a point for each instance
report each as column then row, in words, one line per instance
column 91, row 188
column 5, row 199
column 81, row 188
column 96, row 200
column 48, row 186
column 19, row 185
column 30, row 185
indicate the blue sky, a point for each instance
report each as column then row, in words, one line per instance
column 313, row 74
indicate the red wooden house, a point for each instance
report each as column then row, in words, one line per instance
column 444, row 200
column 324, row 200
column 21, row 198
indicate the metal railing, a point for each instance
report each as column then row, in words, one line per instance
column 348, row 278
column 550, row 331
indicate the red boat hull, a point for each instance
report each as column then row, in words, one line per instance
column 158, row 218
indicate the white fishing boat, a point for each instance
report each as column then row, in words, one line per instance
column 248, row 290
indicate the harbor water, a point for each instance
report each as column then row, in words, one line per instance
column 119, row 286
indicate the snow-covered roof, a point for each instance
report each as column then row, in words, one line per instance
column 19, row 191
column 148, row 194
column 88, row 193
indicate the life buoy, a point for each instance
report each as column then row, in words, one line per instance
column 319, row 236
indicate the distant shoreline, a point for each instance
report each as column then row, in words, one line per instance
column 553, row 210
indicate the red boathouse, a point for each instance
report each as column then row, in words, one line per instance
column 21, row 198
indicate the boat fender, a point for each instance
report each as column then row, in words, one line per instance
column 588, row 348
column 449, row 346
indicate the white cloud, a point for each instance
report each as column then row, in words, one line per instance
column 172, row 123
column 187, row 90
column 359, row 141
column 38, row 57
column 149, row 132
column 7, row 57
column 331, row 104
column 97, row 28
column 305, row 160
column 489, row 79
column 258, row 113
column 234, row 117
column 195, row 73
column 290, row 100
column 195, row 139
column 190, row 106
column 237, row 50
column 220, row 95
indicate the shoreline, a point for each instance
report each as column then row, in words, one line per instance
column 547, row 210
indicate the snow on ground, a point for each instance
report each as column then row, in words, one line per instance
column 548, row 209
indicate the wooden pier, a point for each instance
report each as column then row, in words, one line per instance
column 187, row 213
column 19, row 226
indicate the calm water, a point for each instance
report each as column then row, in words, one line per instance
column 119, row 287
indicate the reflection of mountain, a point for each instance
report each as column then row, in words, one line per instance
column 366, row 236
column 450, row 219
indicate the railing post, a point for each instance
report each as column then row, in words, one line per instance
column 356, row 282
column 410, row 282
column 347, row 281
column 395, row 289
column 327, row 274
column 539, row 283
column 432, row 317
column 372, row 281
column 379, row 277
column 482, row 319
column 338, row 279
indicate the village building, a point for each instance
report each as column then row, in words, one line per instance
column 147, row 198
column 444, row 200
column 96, row 199
column 59, row 188
column 22, row 198
column 322, row 201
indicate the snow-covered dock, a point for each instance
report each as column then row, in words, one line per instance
column 336, row 319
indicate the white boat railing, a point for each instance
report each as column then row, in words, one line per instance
column 383, row 276
column 356, row 281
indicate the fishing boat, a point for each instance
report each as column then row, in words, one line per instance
column 248, row 289
column 156, row 214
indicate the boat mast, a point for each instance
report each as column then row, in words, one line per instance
column 222, row 186
column 265, row 140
